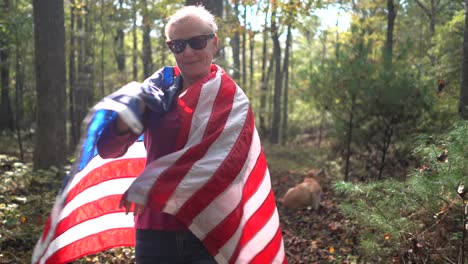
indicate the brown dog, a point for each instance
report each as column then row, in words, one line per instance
column 308, row 193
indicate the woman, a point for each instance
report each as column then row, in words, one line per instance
column 160, row 237
column 198, row 151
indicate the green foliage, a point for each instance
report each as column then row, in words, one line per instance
column 409, row 219
column 25, row 199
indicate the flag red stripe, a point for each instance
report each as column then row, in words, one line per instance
column 171, row 177
column 255, row 178
column 255, row 224
column 189, row 100
column 222, row 107
column 223, row 177
column 93, row 244
column 217, row 237
column 268, row 254
column 99, row 207
column 116, row 169
column 46, row 229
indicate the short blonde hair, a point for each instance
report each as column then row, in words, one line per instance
column 192, row 11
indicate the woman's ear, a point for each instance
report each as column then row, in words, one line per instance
column 215, row 44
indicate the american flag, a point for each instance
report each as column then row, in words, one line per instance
column 217, row 183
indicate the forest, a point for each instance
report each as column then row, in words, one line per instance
column 370, row 99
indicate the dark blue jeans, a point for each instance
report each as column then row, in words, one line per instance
column 170, row 247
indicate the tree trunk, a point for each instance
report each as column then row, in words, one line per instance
column 74, row 127
column 284, row 129
column 84, row 88
column 135, row 46
column 19, row 88
column 251, row 57
column 263, row 79
column 463, row 102
column 244, row 49
column 349, row 138
column 235, row 43
column 49, row 37
column 103, row 41
column 6, row 114
column 275, row 126
column 147, row 57
column 388, row 52
column 119, row 37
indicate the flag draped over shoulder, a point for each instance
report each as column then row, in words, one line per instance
column 217, row 183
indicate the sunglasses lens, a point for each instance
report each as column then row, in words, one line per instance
column 198, row 42
column 177, row 46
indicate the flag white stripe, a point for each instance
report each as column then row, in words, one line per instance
column 203, row 110
column 137, row 150
column 90, row 227
column 203, row 170
column 280, row 255
column 93, row 193
column 250, row 207
column 260, row 240
column 227, row 201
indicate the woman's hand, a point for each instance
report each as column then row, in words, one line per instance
column 137, row 208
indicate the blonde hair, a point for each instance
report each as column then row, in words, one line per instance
column 192, row 11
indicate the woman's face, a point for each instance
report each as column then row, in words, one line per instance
column 194, row 64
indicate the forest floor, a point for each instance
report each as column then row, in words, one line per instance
column 322, row 236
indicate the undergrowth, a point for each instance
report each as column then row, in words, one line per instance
column 418, row 220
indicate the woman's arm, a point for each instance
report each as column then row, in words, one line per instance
column 115, row 140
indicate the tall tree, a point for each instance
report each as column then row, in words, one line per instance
column 135, row 39
column 388, row 121
column 235, row 42
column 263, row 78
column 284, row 124
column 275, row 125
column 19, row 85
column 388, row 51
column 49, row 42
column 463, row 102
column 147, row 56
column 74, row 130
column 119, row 38
column 6, row 114
column 84, row 86
column 244, row 49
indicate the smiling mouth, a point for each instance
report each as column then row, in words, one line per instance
column 190, row 62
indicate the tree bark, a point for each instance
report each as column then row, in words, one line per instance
column 135, row 46
column 6, row 114
column 19, row 88
column 235, row 43
column 275, row 126
column 147, row 57
column 463, row 101
column 49, row 37
column 263, row 79
column 84, row 87
column 284, row 127
column 388, row 52
column 119, row 38
column 244, row 49
column 71, row 79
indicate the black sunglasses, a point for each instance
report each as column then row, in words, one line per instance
column 198, row 42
